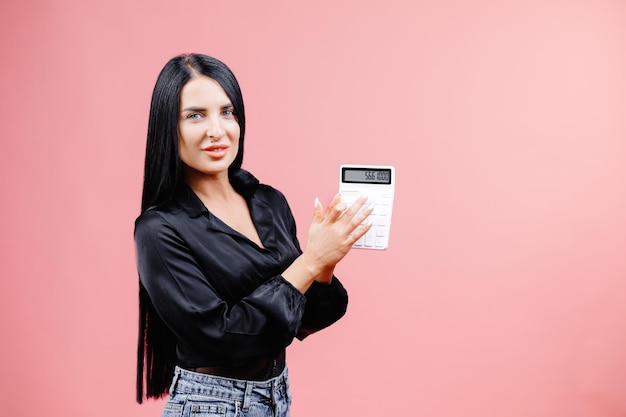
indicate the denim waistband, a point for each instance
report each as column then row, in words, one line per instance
column 221, row 388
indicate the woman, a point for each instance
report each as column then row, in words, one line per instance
column 224, row 285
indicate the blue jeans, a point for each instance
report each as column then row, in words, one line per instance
column 201, row 395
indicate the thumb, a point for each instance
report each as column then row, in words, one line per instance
column 318, row 212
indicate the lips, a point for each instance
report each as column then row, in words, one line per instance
column 216, row 151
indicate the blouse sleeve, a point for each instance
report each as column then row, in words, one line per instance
column 259, row 324
column 325, row 303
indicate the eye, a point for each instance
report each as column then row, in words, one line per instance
column 194, row 116
column 229, row 113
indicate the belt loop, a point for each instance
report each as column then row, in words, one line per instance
column 273, row 394
column 283, row 382
column 247, row 396
column 174, row 380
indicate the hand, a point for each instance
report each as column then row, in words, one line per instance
column 333, row 232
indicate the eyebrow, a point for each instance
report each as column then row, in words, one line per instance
column 199, row 109
column 193, row 108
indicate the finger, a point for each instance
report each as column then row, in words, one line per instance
column 362, row 216
column 360, row 231
column 335, row 209
column 331, row 206
column 355, row 213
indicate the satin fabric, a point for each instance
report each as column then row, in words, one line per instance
column 222, row 295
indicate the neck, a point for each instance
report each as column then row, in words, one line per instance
column 212, row 188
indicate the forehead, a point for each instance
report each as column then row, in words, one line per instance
column 203, row 90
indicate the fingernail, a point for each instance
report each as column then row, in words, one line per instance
column 317, row 202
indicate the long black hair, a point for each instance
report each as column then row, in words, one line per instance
column 156, row 347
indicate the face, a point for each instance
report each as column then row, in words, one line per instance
column 208, row 132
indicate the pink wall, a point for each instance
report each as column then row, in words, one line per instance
column 503, row 292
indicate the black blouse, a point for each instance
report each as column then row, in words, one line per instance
column 220, row 294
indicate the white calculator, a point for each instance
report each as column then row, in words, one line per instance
column 378, row 183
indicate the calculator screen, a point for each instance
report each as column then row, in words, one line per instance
column 366, row 176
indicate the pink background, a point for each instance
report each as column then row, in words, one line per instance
column 503, row 292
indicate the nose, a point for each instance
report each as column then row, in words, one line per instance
column 214, row 130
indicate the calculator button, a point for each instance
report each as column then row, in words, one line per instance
column 381, row 210
column 349, row 196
